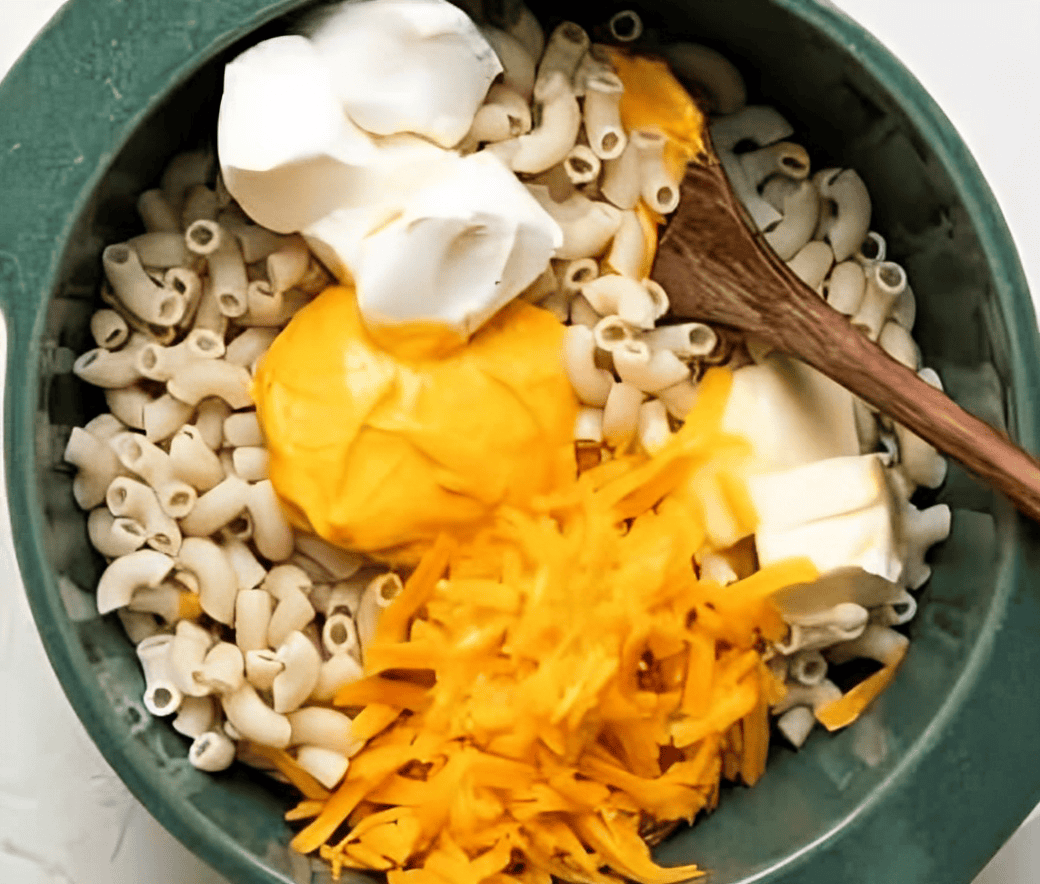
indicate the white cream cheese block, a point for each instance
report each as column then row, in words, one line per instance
column 417, row 66
column 462, row 248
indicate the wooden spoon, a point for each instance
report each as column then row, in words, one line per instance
column 715, row 269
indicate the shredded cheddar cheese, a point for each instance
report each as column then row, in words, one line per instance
column 542, row 692
column 286, row 765
column 846, row 709
column 649, row 221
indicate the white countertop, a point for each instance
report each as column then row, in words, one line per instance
column 65, row 818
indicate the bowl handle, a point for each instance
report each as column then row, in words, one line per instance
column 18, row 311
column 13, row 297
column 16, row 308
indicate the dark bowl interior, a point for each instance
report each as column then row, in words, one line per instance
column 923, row 788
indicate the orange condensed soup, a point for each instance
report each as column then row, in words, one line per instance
column 380, row 452
column 655, row 99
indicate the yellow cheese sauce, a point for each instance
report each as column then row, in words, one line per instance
column 379, row 452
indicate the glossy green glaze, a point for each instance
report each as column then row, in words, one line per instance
column 923, row 789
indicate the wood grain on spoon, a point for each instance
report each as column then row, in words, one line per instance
column 716, row 270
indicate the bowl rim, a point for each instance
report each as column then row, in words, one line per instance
column 956, row 748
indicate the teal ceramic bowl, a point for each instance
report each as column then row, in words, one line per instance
column 924, row 789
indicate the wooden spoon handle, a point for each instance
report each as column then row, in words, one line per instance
column 829, row 343
column 715, row 270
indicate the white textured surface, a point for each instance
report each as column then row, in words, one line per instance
column 65, row 817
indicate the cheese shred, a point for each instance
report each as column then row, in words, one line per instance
column 542, row 696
